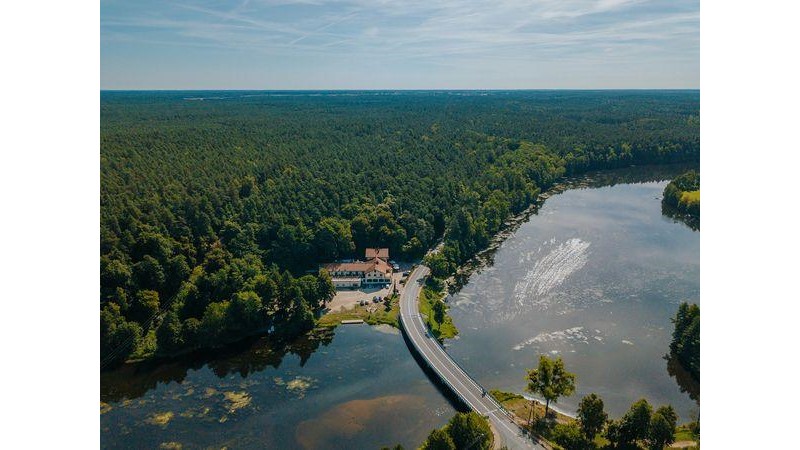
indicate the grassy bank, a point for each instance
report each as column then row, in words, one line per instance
column 373, row 314
column 441, row 330
column 521, row 408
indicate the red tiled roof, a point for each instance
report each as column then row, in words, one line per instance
column 367, row 266
column 382, row 253
column 382, row 265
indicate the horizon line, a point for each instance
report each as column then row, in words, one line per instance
column 393, row 89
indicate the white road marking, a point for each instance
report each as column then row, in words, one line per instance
column 433, row 351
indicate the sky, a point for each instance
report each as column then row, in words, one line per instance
column 414, row 44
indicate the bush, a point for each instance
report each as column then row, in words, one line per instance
column 569, row 436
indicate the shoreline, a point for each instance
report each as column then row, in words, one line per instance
column 482, row 259
column 589, row 180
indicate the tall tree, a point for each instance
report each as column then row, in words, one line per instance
column 685, row 345
column 438, row 312
column 439, row 265
column 145, row 306
column 661, row 432
column 635, row 424
column 550, row 380
column 591, row 416
column 439, row 439
column 325, row 288
column 169, row 334
column 470, row 430
column 333, row 239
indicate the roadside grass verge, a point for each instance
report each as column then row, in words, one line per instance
column 444, row 330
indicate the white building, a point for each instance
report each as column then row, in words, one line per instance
column 374, row 271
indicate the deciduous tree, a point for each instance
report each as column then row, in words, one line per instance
column 591, row 416
column 439, row 310
column 439, row 439
column 470, row 430
column 550, row 380
column 661, row 432
column 635, row 424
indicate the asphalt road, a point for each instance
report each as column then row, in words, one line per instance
column 451, row 373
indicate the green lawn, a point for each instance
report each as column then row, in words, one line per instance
column 444, row 330
column 379, row 316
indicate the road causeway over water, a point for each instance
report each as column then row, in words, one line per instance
column 468, row 391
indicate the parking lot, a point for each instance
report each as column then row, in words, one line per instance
column 348, row 298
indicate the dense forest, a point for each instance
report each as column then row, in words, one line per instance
column 217, row 207
column 682, row 199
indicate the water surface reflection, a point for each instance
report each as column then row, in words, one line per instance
column 594, row 276
column 359, row 390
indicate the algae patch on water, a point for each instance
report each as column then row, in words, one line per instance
column 199, row 412
column 209, row 392
column 104, row 407
column 237, row 400
column 160, row 419
column 171, row 446
column 300, row 385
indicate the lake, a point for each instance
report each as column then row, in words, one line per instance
column 593, row 277
column 360, row 390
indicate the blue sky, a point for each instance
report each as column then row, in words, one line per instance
column 381, row 44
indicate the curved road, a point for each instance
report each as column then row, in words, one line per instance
column 470, row 392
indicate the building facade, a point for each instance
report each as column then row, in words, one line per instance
column 351, row 275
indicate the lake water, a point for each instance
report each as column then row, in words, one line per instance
column 360, row 390
column 594, row 277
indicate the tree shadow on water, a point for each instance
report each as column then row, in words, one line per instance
column 685, row 380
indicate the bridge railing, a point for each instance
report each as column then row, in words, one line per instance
column 500, row 407
column 497, row 404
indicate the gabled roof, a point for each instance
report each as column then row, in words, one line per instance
column 382, row 253
column 382, row 265
column 350, row 267
column 369, row 266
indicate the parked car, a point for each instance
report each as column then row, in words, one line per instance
column 395, row 267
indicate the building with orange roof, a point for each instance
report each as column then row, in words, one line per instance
column 374, row 271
